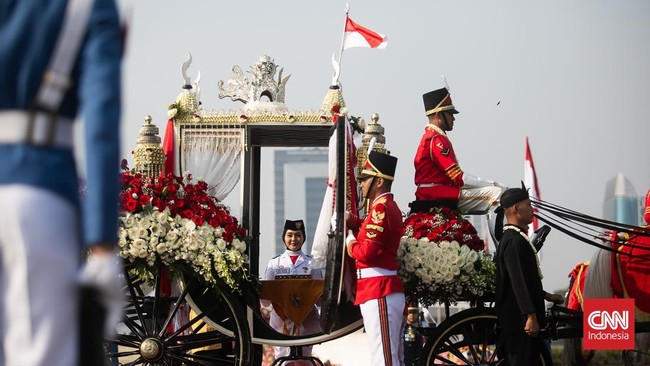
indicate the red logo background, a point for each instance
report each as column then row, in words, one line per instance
column 607, row 313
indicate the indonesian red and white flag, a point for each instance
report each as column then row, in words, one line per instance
column 358, row 36
column 530, row 181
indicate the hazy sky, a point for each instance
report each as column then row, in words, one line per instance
column 573, row 76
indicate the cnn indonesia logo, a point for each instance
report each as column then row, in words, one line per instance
column 608, row 324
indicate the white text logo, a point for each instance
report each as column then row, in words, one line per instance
column 601, row 319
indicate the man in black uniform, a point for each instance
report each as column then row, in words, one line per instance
column 412, row 338
column 520, row 296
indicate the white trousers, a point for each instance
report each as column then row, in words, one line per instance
column 39, row 260
column 478, row 200
column 383, row 320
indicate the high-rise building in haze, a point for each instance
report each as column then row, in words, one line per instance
column 622, row 202
column 300, row 179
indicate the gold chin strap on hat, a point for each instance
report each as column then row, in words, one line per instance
column 376, row 172
column 440, row 109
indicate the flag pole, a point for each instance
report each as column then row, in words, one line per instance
column 347, row 10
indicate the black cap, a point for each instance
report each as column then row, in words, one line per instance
column 379, row 165
column 438, row 101
column 295, row 225
column 513, row 196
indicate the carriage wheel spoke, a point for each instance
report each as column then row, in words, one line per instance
column 134, row 327
column 445, row 360
column 484, row 351
column 213, row 359
column 201, row 340
column 185, row 360
column 138, row 361
column 122, row 354
column 156, row 301
column 135, row 303
column 453, row 348
column 122, row 340
column 171, row 314
column 469, row 342
column 497, row 347
column 191, row 322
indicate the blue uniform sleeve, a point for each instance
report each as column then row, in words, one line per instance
column 99, row 93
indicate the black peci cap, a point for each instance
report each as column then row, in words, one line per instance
column 513, row 196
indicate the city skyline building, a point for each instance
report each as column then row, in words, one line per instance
column 300, row 180
column 622, row 204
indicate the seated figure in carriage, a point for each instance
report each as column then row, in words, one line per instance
column 293, row 263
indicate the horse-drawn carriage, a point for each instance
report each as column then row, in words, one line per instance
column 176, row 317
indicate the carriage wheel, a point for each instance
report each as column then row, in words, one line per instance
column 469, row 337
column 145, row 336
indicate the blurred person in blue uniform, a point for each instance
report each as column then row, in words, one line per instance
column 57, row 59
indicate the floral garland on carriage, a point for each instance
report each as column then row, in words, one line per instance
column 442, row 259
column 173, row 222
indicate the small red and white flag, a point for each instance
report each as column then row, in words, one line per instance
column 530, row 181
column 358, row 36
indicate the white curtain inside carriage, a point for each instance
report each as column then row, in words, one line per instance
column 213, row 155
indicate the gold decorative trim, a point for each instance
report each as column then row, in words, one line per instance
column 440, row 109
column 377, row 174
column 244, row 119
column 437, row 129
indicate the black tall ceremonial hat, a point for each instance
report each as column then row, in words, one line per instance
column 295, row 225
column 379, row 165
column 438, row 100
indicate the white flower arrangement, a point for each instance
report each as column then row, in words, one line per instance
column 444, row 271
column 178, row 242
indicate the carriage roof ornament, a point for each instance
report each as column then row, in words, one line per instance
column 188, row 99
column 374, row 131
column 260, row 84
column 148, row 155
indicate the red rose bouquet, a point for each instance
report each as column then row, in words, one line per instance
column 176, row 223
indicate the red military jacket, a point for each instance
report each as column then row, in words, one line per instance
column 578, row 276
column 436, row 167
column 631, row 275
column 376, row 246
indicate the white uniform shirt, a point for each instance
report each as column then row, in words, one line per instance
column 282, row 265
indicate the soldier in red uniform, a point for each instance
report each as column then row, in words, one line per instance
column 438, row 175
column 380, row 293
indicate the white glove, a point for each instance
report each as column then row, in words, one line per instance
column 103, row 273
column 350, row 237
